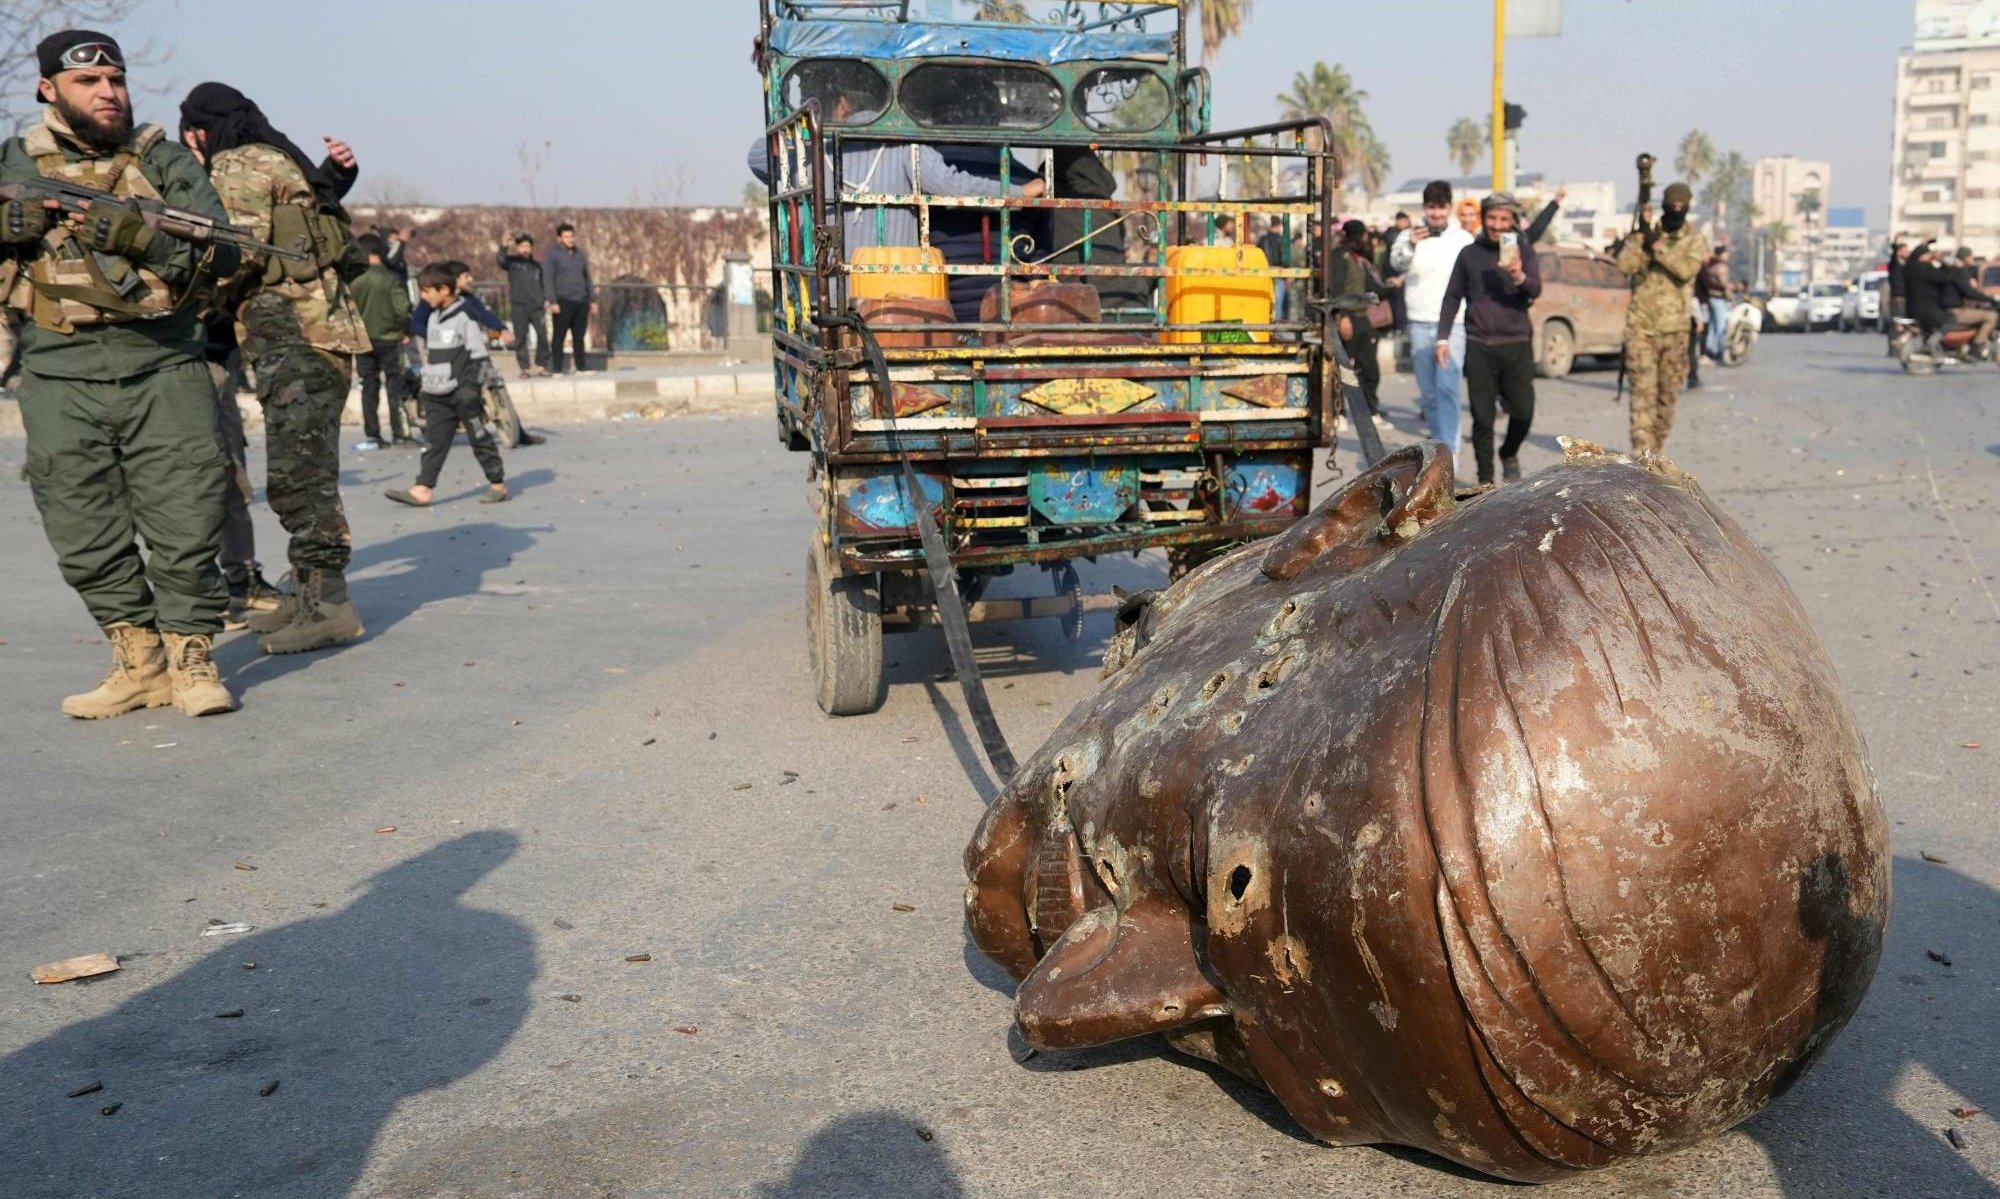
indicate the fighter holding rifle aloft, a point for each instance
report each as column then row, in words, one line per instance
column 117, row 401
column 1663, row 259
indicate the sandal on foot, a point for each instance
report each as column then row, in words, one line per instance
column 496, row 497
column 403, row 497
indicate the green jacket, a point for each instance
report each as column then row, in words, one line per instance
column 120, row 351
column 384, row 303
column 1664, row 280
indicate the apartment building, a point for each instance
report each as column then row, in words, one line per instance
column 1776, row 184
column 1945, row 161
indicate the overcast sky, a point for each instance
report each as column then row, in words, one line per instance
column 655, row 100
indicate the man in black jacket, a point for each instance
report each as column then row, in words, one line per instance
column 571, row 300
column 525, row 303
column 1496, row 278
column 1934, row 298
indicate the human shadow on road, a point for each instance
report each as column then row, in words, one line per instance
column 389, row 580
column 1842, row 1124
column 403, row 991
column 870, row 1155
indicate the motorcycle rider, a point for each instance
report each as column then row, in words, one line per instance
column 1933, row 299
column 1965, row 281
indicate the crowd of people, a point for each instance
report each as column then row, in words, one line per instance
column 136, row 336
column 1459, row 285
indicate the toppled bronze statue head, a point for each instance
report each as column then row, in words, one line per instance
column 1531, row 830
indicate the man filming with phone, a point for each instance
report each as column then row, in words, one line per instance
column 1495, row 278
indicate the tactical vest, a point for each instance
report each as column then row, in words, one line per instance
column 66, row 285
column 300, row 222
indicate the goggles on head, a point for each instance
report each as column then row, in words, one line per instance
column 91, row 54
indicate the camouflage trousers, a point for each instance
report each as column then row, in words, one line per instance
column 302, row 390
column 1656, row 364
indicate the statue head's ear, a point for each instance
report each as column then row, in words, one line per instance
column 1118, row 974
column 1380, row 508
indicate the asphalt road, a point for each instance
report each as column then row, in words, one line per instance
column 580, row 730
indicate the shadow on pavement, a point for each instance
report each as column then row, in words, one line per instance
column 971, row 756
column 517, row 484
column 405, row 990
column 435, row 564
column 870, row 1155
column 1842, row 1123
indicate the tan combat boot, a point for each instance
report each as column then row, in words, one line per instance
column 326, row 617
column 286, row 610
column 198, row 689
column 138, row 677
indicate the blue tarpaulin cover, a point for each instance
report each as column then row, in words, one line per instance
column 1014, row 43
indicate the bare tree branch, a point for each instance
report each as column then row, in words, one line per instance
column 534, row 159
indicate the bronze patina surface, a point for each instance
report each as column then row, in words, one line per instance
column 1530, row 830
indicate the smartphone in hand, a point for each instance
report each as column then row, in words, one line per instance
column 1510, row 248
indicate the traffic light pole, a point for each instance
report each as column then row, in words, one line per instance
column 1503, row 174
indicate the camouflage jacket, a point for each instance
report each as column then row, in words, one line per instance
column 253, row 181
column 1665, row 280
column 119, row 351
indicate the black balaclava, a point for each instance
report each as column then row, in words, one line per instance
column 1674, row 211
column 231, row 119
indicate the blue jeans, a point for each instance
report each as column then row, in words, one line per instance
column 1438, row 385
column 1718, row 326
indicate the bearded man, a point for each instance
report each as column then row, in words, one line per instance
column 120, row 411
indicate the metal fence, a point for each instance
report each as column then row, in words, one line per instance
column 637, row 317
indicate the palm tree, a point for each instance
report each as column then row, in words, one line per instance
column 1371, row 165
column 1696, row 158
column 1220, row 21
column 1465, row 141
column 1328, row 91
column 1727, row 190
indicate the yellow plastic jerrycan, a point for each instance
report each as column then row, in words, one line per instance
column 1217, row 299
column 900, row 286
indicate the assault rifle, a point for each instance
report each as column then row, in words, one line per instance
column 74, row 198
column 1640, row 228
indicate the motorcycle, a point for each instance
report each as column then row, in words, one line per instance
column 1745, row 323
column 1924, row 355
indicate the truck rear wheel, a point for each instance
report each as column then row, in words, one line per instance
column 1558, row 351
column 844, row 637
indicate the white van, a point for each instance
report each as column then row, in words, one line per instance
column 1866, row 304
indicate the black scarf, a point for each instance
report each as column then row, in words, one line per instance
column 231, row 119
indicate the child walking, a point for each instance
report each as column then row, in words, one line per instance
column 454, row 364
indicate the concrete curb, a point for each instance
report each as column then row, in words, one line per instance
column 572, row 399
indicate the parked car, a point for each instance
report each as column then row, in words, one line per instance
column 1866, row 304
column 1581, row 310
column 1989, row 280
column 1824, row 308
column 1785, row 312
